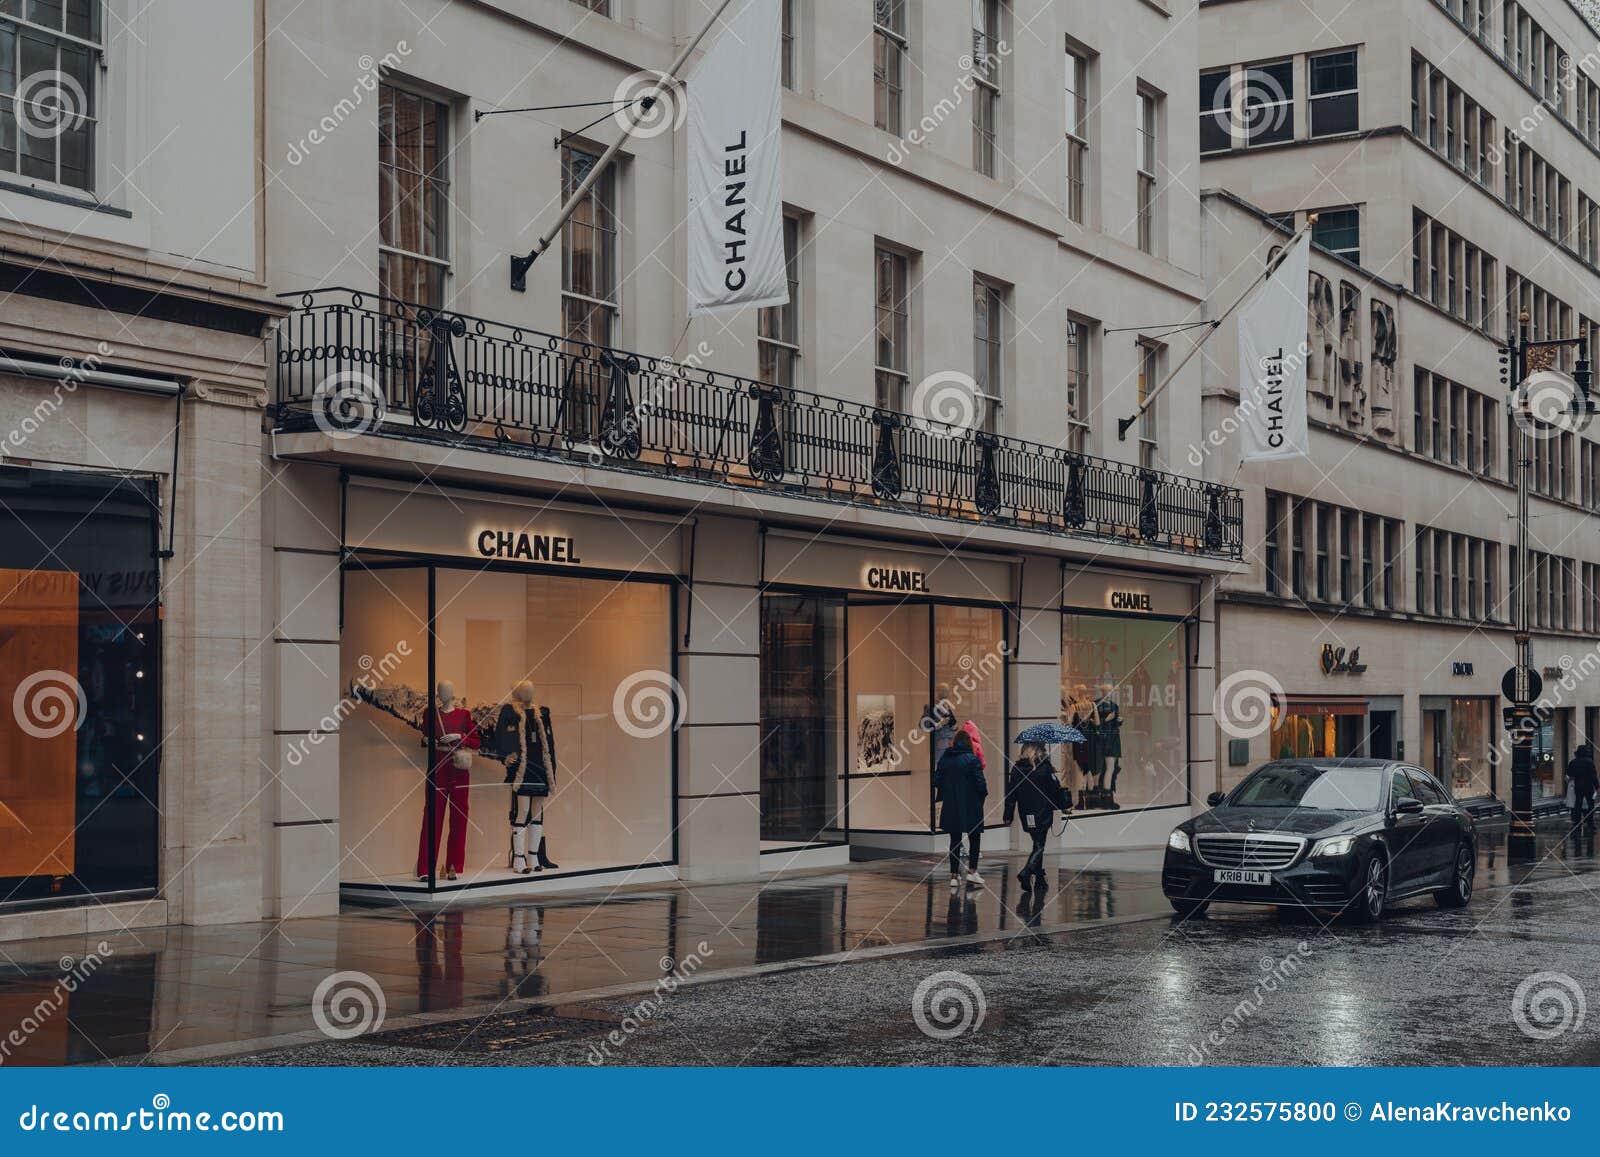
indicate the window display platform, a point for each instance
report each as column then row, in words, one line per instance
column 572, row 876
column 1120, row 830
column 996, row 838
column 782, row 856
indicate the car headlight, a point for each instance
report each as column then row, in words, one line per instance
column 1178, row 841
column 1338, row 846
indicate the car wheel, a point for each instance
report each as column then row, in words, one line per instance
column 1190, row 907
column 1366, row 906
column 1459, row 893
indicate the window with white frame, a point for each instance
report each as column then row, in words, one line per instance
column 1147, row 153
column 50, row 51
column 1150, row 359
column 1077, row 108
column 778, row 327
column 589, row 305
column 1335, row 93
column 1216, row 110
column 413, row 196
column 891, row 326
column 986, row 90
column 1080, row 381
column 1339, row 231
column 1266, row 95
column 890, row 49
column 988, row 350
column 789, row 63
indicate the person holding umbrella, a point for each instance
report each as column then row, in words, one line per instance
column 1034, row 792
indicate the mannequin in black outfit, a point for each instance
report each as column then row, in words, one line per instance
column 525, row 740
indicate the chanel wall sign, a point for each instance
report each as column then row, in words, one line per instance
column 524, row 547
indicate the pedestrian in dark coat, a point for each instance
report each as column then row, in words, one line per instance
column 1581, row 773
column 959, row 783
column 1034, row 792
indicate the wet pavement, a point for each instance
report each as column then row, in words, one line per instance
column 1502, row 982
column 822, row 968
column 186, row 993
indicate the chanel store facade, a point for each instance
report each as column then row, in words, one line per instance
column 480, row 693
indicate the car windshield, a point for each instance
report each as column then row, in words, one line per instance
column 1310, row 786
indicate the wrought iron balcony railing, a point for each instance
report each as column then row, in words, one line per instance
column 351, row 363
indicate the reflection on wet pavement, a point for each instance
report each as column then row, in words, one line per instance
column 179, row 988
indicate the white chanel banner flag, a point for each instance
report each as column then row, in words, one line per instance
column 736, row 254
column 1272, row 362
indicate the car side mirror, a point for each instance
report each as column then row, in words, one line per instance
column 1215, row 798
column 1409, row 807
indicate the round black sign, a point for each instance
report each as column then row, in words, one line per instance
column 1532, row 684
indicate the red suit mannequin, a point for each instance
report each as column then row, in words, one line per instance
column 454, row 731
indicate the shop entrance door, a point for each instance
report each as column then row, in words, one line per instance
column 1381, row 735
column 801, row 692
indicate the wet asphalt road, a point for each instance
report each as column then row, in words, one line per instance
column 1508, row 981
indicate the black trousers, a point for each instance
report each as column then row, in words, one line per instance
column 974, row 839
column 1583, row 808
column 1036, row 857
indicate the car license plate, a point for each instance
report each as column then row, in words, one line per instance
column 1242, row 876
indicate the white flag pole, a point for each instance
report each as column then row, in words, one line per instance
column 521, row 265
column 1126, row 424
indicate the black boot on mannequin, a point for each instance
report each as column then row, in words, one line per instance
column 544, row 860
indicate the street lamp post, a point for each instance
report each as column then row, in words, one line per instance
column 1519, row 358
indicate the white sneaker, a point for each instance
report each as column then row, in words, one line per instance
column 955, row 881
column 974, row 879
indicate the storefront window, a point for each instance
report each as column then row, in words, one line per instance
column 1458, row 744
column 80, row 680
column 567, row 685
column 903, row 659
column 1319, row 731
column 1550, row 755
column 1123, row 686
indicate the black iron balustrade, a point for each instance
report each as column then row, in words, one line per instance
column 352, row 363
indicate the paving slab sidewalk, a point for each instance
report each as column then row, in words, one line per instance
column 188, row 995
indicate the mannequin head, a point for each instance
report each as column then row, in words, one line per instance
column 445, row 693
column 1106, row 689
column 523, row 693
column 942, row 692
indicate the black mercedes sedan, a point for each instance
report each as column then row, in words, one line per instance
column 1348, row 834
